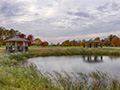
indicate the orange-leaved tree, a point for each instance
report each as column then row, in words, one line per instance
column 83, row 42
column 71, row 43
column 58, row 44
column 37, row 41
column 66, row 43
column 111, row 37
column 115, row 41
column 107, row 42
column 44, row 43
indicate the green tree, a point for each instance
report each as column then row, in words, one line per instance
column 12, row 33
column 1, row 34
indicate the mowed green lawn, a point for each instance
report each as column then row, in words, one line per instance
column 72, row 47
column 56, row 47
column 66, row 47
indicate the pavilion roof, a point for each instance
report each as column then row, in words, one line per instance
column 93, row 41
column 16, row 38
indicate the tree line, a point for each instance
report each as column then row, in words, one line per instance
column 111, row 40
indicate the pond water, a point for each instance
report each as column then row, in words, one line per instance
column 76, row 64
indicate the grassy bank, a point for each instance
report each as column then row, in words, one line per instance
column 16, row 77
column 62, row 52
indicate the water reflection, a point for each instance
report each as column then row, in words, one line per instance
column 93, row 59
column 76, row 64
column 114, row 57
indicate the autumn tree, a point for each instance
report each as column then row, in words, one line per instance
column 30, row 39
column 37, row 41
column 111, row 37
column 23, row 36
column 115, row 41
column 44, row 43
column 106, row 42
column 58, row 44
column 76, row 43
column 80, row 42
column 71, row 43
column 66, row 43
column 83, row 42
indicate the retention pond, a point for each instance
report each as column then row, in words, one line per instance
column 84, row 64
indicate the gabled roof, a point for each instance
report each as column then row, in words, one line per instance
column 16, row 38
column 94, row 41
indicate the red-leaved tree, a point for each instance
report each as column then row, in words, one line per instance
column 44, row 43
column 23, row 36
column 30, row 39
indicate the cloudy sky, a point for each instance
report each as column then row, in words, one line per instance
column 58, row 20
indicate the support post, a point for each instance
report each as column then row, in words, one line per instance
column 7, row 46
column 83, row 45
column 26, row 43
column 101, row 44
column 94, row 45
column 88, row 45
column 16, row 49
column 23, row 46
column 27, row 46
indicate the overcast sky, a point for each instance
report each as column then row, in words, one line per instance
column 59, row 20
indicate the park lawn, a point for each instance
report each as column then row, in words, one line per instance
column 3, row 46
column 53, row 48
column 105, row 48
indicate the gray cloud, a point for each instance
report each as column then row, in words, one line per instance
column 80, row 14
column 9, row 9
column 55, row 20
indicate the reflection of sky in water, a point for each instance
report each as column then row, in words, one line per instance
column 77, row 64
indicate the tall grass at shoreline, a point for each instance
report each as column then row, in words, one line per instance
column 22, row 78
column 66, row 52
column 13, row 76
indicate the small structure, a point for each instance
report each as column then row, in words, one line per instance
column 91, row 42
column 17, row 44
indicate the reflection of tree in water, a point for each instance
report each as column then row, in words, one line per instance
column 92, row 59
column 114, row 57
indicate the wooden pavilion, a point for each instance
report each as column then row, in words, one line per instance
column 16, row 44
column 91, row 42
